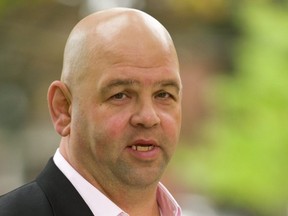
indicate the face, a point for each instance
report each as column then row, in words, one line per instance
column 126, row 117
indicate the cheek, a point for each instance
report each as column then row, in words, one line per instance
column 113, row 124
column 171, row 122
column 170, row 125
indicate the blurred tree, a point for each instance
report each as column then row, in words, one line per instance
column 246, row 162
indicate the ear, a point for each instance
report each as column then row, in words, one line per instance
column 59, row 103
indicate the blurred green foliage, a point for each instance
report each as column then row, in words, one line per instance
column 246, row 159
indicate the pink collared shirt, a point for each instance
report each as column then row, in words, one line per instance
column 167, row 204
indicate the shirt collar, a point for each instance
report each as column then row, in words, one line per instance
column 104, row 205
column 168, row 205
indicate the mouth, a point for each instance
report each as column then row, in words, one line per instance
column 145, row 150
column 142, row 148
column 142, row 145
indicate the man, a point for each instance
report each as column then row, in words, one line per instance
column 118, row 111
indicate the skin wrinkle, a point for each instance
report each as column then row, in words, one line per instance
column 136, row 52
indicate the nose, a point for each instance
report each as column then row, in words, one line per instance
column 145, row 115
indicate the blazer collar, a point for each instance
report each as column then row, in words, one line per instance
column 63, row 197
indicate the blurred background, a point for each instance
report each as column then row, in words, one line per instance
column 233, row 155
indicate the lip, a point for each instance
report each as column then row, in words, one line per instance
column 145, row 142
column 144, row 149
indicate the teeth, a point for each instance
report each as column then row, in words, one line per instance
column 142, row 148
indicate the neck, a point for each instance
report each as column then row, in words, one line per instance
column 139, row 202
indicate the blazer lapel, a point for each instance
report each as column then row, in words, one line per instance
column 63, row 197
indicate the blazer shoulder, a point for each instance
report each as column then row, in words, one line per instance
column 27, row 200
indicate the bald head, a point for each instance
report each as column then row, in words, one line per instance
column 111, row 35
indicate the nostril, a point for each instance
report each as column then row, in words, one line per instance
column 145, row 115
column 145, row 121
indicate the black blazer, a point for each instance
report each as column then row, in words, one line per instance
column 51, row 193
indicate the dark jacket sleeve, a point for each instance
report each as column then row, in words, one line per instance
column 28, row 200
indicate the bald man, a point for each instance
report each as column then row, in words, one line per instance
column 117, row 108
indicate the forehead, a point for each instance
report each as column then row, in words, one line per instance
column 136, row 52
column 139, row 77
column 134, row 61
column 146, row 68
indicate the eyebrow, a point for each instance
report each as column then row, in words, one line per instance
column 169, row 83
column 130, row 82
column 118, row 82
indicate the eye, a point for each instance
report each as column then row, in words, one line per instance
column 164, row 95
column 119, row 96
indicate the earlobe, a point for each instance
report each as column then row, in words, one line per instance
column 59, row 103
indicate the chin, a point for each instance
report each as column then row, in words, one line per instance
column 146, row 178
